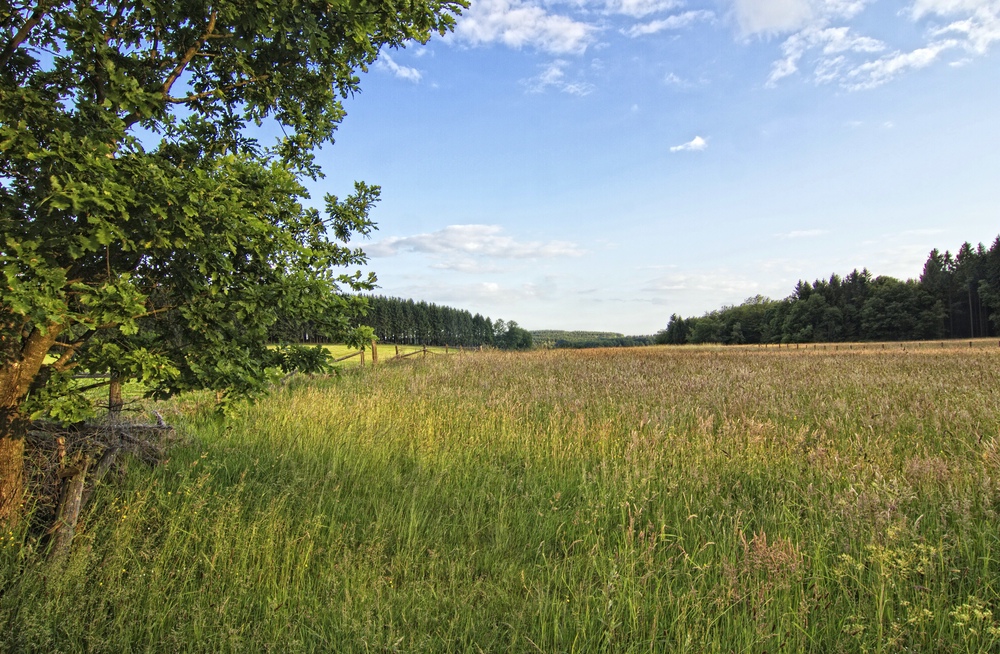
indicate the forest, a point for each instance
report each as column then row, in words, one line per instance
column 956, row 296
column 396, row 320
column 555, row 338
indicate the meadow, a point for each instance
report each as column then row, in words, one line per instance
column 386, row 351
column 667, row 499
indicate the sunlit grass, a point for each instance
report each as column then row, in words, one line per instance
column 386, row 352
column 659, row 499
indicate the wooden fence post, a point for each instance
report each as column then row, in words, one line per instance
column 374, row 353
column 362, row 358
column 115, row 401
column 397, row 351
column 425, row 352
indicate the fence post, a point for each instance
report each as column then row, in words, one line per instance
column 446, row 348
column 374, row 353
column 397, row 351
column 424, row 355
column 115, row 401
column 362, row 358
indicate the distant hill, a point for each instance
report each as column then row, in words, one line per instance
column 557, row 338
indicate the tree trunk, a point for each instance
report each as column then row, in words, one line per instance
column 16, row 377
column 972, row 316
column 11, row 471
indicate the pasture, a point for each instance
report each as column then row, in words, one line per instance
column 386, row 351
column 644, row 500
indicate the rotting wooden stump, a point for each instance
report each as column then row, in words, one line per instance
column 63, row 474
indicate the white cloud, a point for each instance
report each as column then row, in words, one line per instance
column 675, row 22
column 783, row 16
column 979, row 31
column 923, row 8
column 838, row 54
column 875, row 73
column 772, row 16
column 640, row 8
column 519, row 24
column 386, row 62
column 673, row 80
column 465, row 241
column 554, row 76
column 831, row 41
column 803, row 233
column 697, row 144
column 722, row 282
column 468, row 266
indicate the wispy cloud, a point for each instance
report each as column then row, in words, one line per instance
column 640, row 8
column 675, row 22
column 875, row 73
column 554, row 76
column 468, row 266
column 721, row 281
column 830, row 41
column 386, row 62
column 473, row 241
column 498, row 298
column 697, row 144
column 519, row 24
column 804, row 233
column 835, row 53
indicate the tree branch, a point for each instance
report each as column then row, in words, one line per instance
column 113, row 23
column 178, row 70
column 84, row 389
column 22, row 34
column 63, row 362
column 221, row 89
column 189, row 55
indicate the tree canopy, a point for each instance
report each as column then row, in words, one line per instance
column 143, row 228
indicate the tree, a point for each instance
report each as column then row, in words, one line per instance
column 898, row 310
column 675, row 333
column 511, row 336
column 140, row 220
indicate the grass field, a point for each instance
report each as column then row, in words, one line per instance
column 386, row 351
column 654, row 500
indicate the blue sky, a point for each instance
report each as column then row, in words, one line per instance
column 601, row 164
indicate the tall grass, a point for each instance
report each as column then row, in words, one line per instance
column 665, row 499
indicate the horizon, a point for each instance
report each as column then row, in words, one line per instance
column 601, row 165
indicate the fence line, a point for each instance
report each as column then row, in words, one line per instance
column 980, row 343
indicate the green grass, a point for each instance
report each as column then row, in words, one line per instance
column 386, row 352
column 663, row 499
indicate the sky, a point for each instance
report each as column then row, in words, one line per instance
column 602, row 164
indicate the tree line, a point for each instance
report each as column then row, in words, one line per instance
column 956, row 296
column 408, row 322
column 555, row 338
column 405, row 321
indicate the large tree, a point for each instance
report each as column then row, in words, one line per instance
column 142, row 228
